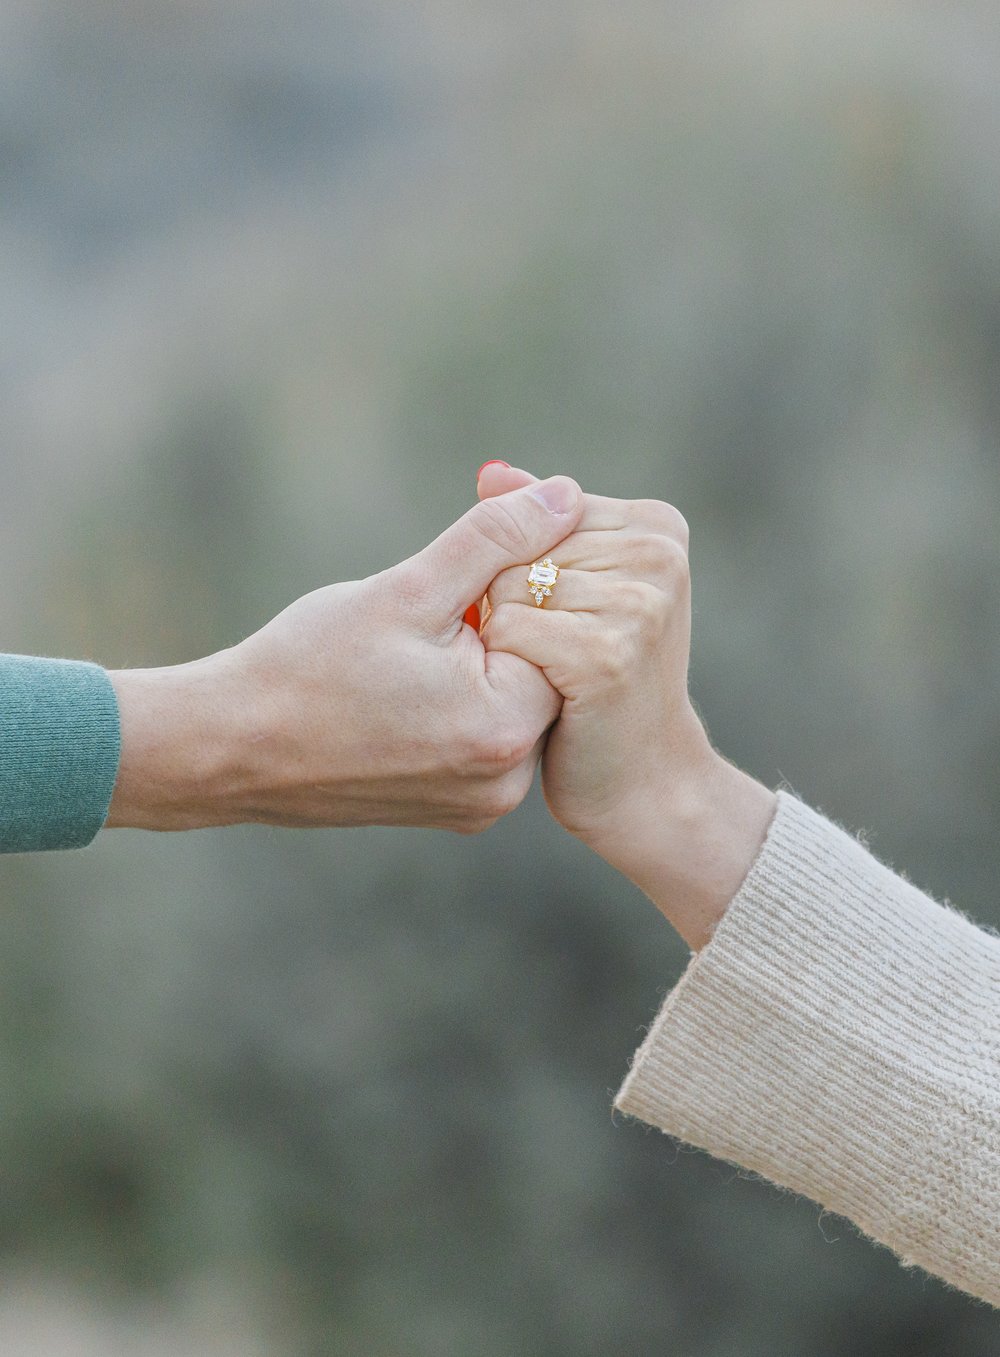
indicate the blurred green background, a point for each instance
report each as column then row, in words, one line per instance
column 274, row 279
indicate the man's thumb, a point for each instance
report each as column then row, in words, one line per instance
column 511, row 529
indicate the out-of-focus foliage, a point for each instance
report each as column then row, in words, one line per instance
column 274, row 279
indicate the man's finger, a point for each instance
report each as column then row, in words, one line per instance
column 512, row 529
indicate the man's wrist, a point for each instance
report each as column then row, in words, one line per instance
column 185, row 747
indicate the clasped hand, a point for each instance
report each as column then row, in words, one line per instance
column 372, row 702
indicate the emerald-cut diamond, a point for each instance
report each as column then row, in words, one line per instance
column 541, row 577
column 542, row 572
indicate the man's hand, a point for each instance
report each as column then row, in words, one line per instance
column 362, row 703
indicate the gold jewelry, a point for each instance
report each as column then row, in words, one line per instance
column 541, row 580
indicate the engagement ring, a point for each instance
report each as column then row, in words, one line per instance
column 541, row 580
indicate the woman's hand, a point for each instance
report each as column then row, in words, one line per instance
column 628, row 768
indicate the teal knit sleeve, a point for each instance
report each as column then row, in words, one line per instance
column 59, row 748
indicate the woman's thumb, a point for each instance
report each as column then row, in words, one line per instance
column 497, row 478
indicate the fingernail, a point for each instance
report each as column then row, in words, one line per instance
column 472, row 617
column 559, row 494
column 494, row 462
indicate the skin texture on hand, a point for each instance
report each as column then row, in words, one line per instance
column 629, row 768
column 369, row 702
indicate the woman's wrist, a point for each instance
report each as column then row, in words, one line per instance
column 184, row 747
column 716, row 838
column 689, row 843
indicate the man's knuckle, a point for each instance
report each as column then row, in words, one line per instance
column 517, row 749
column 492, row 798
column 506, row 797
column 494, row 753
column 520, row 781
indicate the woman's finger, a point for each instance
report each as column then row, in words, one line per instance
column 550, row 641
column 611, row 557
column 573, row 591
column 601, row 514
column 499, row 478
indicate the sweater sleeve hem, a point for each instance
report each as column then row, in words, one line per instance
column 60, row 745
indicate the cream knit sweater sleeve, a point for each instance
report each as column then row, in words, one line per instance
column 840, row 1035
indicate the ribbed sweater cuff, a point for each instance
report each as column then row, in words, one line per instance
column 840, row 1035
column 59, row 751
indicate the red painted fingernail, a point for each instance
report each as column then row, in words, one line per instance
column 494, row 462
column 472, row 613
